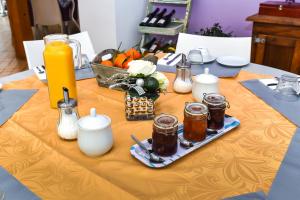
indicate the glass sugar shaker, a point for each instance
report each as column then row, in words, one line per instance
column 67, row 127
column 183, row 81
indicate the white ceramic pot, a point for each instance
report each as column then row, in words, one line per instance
column 95, row 134
column 204, row 84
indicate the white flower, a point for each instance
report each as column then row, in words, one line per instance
column 141, row 67
column 162, row 80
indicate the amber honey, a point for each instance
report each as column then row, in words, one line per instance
column 195, row 122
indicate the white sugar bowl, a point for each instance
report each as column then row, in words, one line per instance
column 204, row 84
column 95, row 134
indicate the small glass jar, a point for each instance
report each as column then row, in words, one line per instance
column 217, row 105
column 183, row 81
column 164, row 135
column 67, row 127
column 195, row 122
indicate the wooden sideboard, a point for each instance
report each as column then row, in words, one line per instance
column 276, row 42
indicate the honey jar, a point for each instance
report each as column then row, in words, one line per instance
column 164, row 135
column 217, row 105
column 195, row 122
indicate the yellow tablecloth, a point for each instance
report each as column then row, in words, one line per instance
column 242, row 161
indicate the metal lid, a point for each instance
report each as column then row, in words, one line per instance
column 72, row 103
column 214, row 99
column 196, row 109
column 66, row 102
column 183, row 63
column 165, row 121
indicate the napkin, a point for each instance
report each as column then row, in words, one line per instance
column 169, row 60
column 214, row 68
column 11, row 101
column 13, row 189
column 287, row 181
column 250, row 196
column 290, row 108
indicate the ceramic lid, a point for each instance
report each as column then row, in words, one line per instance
column 206, row 78
column 94, row 121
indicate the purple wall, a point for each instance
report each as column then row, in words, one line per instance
column 231, row 14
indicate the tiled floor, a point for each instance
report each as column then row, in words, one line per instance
column 9, row 64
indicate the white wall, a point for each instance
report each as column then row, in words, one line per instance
column 110, row 22
column 98, row 18
column 129, row 14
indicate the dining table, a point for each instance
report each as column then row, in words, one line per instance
column 242, row 161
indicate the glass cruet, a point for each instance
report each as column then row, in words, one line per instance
column 183, row 80
column 68, row 116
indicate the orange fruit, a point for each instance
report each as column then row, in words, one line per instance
column 133, row 53
column 107, row 63
column 125, row 64
column 120, row 59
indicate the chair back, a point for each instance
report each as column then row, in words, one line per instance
column 34, row 53
column 217, row 46
column 46, row 12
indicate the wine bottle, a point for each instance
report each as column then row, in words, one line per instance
column 145, row 48
column 163, row 22
column 156, row 18
column 148, row 18
column 165, row 47
column 148, row 45
column 155, row 46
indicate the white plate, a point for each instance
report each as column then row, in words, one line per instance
column 232, row 61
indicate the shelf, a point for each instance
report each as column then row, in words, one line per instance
column 174, row 28
column 178, row 2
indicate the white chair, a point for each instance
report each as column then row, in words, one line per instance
column 217, row 46
column 34, row 53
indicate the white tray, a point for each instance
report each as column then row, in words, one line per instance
column 138, row 153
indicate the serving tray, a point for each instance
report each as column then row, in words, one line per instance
column 138, row 153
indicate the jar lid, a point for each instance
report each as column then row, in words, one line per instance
column 196, row 109
column 214, row 99
column 206, row 77
column 183, row 62
column 66, row 102
column 94, row 121
column 71, row 103
column 165, row 121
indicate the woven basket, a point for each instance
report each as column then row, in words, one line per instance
column 104, row 74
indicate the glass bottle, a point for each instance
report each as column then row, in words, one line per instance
column 67, row 127
column 183, row 81
column 195, row 122
column 164, row 135
column 217, row 105
column 59, row 65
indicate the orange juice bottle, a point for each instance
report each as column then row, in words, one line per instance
column 59, row 65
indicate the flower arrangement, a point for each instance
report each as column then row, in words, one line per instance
column 143, row 80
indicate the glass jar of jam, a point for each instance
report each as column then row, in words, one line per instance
column 217, row 105
column 195, row 122
column 164, row 135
